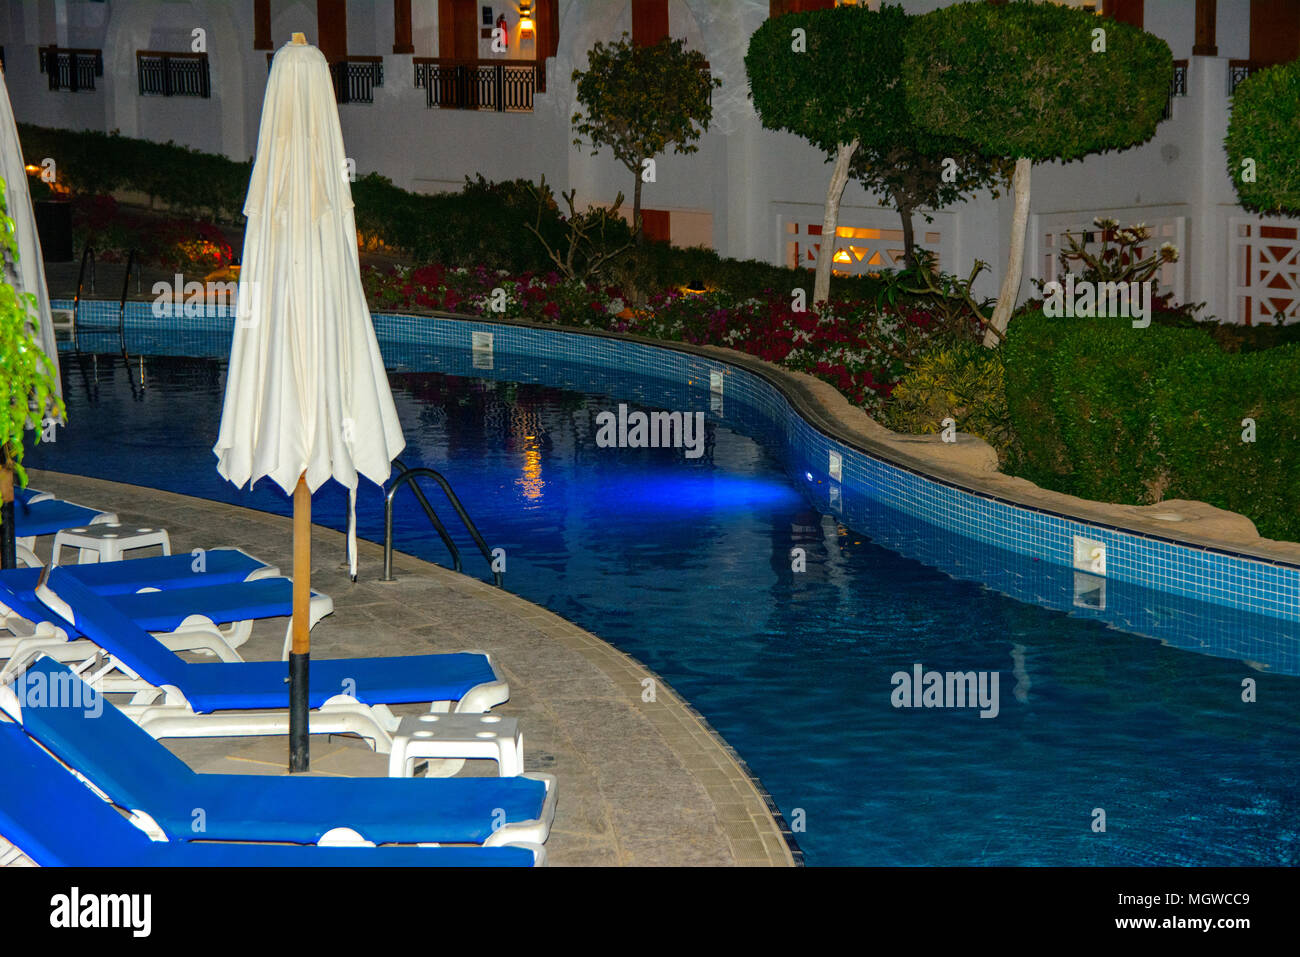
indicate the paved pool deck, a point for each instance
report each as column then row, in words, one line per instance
column 640, row 783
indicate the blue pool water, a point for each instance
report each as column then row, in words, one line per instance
column 1121, row 700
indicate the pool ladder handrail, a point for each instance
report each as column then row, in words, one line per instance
column 126, row 289
column 87, row 255
column 409, row 476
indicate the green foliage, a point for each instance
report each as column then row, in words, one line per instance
column 189, row 181
column 656, row 266
column 27, row 387
column 484, row 224
column 1265, row 127
column 641, row 100
column 1108, row 412
column 1021, row 79
column 842, row 87
column 1104, row 377
column 1121, row 256
column 1198, row 417
column 963, row 381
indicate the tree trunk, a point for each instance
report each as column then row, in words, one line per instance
column 8, row 534
column 636, row 206
column 1015, row 259
column 909, row 237
column 831, row 220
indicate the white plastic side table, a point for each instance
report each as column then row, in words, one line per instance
column 457, row 735
column 107, row 542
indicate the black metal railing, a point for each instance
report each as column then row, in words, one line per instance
column 73, row 70
column 355, row 79
column 1239, row 70
column 1177, row 87
column 409, row 477
column 173, row 74
column 87, row 259
column 500, row 86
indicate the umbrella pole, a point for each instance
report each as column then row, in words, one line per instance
column 300, row 652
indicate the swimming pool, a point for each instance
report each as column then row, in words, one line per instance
column 686, row 564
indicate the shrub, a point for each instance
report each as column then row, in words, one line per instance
column 1263, row 139
column 187, row 180
column 1137, row 416
column 1102, row 379
column 964, row 381
column 1198, row 417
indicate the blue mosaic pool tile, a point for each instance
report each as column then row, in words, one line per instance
column 1254, row 586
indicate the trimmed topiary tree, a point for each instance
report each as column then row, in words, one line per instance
column 27, row 389
column 1263, row 140
column 824, row 75
column 641, row 100
column 1033, row 82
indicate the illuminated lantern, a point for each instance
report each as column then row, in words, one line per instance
column 526, row 25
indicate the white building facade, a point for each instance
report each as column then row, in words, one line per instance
column 428, row 101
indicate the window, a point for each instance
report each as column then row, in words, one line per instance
column 72, row 70
column 173, row 74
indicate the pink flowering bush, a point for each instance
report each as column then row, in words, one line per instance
column 863, row 348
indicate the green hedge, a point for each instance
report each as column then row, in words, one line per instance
column 485, row 224
column 1135, row 416
column 1200, row 416
column 188, row 180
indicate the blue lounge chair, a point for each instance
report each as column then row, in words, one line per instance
column 45, row 516
column 54, row 820
column 174, row 697
column 88, row 733
column 196, row 613
column 215, row 566
column 23, row 496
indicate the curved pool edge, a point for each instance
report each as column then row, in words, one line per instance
column 1182, row 549
column 968, row 464
column 754, row 830
column 1179, row 548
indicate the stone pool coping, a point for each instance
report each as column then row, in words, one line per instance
column 969, row 464
column 640, row 783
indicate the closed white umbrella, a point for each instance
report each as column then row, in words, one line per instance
column 29, row 273
column 307, row 398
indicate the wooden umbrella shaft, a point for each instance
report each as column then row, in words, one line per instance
column 299, row 655
column 301, row 567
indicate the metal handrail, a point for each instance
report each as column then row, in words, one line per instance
column 121, row 305
column 86, row 254
column 409, row 476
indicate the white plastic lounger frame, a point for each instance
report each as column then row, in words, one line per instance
column 28, row 542
column 165, row 712
column 198, row 636
column 237, row 633
column 233, row 636
column 529, row 834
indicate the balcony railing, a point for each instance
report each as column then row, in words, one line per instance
column 173, row 74
column 356, row 77
column 1177, row 87
column 73, row 70
column 500, row 86
column 1238, row 70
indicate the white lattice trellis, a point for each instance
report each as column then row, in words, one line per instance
column 1265, row 269
column 858, row 249
column 1051, row 230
